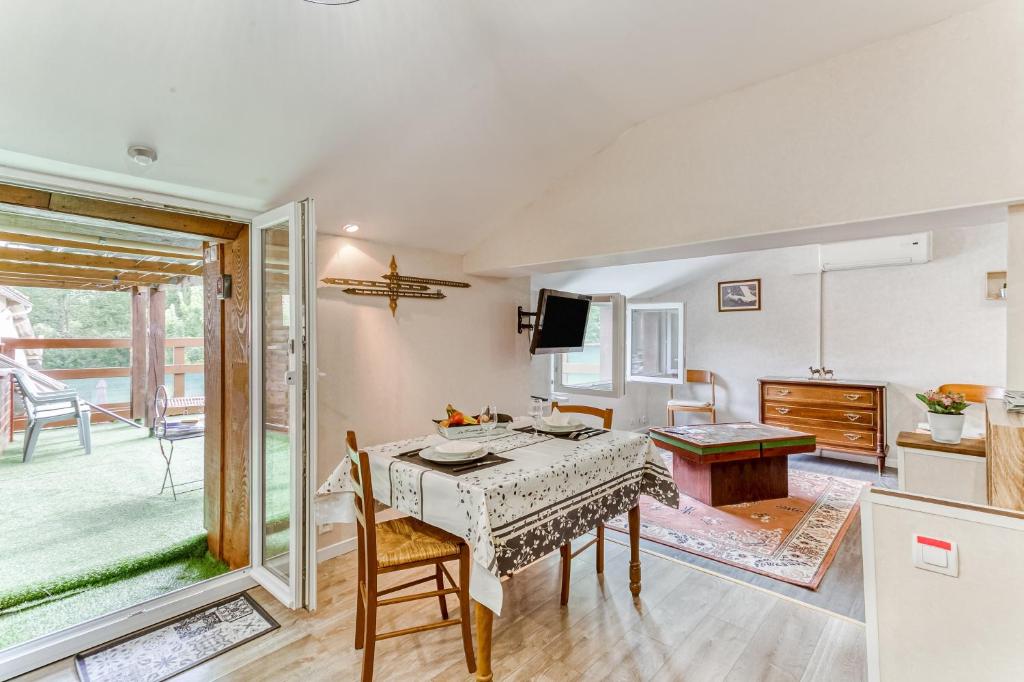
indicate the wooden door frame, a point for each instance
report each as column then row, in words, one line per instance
column 227, row 344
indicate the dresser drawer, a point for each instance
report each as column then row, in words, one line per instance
column 833, row 395
column 848, row 439
column 854, row 417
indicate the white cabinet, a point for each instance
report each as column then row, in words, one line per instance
column 952, row 472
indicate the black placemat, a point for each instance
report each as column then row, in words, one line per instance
column 566, row 436
column 491, row 460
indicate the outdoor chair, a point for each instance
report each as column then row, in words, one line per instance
column 44, row 406
column 170, row 431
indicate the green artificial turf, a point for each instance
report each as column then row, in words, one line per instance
column 76, row 527
column 33, row 619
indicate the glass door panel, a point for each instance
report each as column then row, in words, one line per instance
column 276, row 363
column 283, row 405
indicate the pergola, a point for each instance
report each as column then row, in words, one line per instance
column 100, row 255
column 61, row 240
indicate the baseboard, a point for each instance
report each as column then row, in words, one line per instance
column 335, row 549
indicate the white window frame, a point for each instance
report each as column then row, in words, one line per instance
column 679, row 377
column 617, row 390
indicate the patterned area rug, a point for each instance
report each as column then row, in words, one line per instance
column 171, row 647
column 793, row 539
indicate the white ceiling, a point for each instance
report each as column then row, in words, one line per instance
column 422, row 120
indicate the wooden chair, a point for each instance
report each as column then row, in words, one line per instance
column 566, row 551
column 398, row 545
column 974, row 393
column 695, row 376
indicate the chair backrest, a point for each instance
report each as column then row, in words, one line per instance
column 160, row 403
column 603, row 414
column 366, row 524
column 702, row 376
column 975, row 393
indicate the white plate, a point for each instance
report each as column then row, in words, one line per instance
column 457, row 447
column 431, row 455
column 568, row 428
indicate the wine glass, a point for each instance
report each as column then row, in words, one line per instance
column 489, row 417
column 536, row 410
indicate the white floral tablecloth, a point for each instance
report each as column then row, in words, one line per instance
column 552, row 490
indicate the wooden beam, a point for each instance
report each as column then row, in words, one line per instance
column 155, row 349
column 213, row 387
column 86, row 260
column 89, row 274
column 237, row 358
column 82, row 243
column 24, row 196
column 29, row 343
column 216, row 229
column 139, row 344
column 81, row 285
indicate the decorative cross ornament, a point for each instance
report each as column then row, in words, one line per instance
column 394, row 286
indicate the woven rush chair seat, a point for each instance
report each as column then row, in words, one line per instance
column 407, row 540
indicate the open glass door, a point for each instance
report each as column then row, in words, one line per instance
column 283, row 406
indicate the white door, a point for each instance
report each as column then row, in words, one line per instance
column 283, row 404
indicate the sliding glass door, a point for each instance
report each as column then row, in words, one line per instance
column 283, row 404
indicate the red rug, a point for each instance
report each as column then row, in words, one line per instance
column 793, row 539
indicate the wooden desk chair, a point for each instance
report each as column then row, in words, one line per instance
column 974, row 393
column 695, row 376
column 566, row 551
column 398, row 545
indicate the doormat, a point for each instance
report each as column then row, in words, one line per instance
column 163, row 650
column 793, row 539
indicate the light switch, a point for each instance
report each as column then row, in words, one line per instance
column 935, row 554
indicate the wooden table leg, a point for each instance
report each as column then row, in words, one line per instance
column 634, row 550
column 484, row 623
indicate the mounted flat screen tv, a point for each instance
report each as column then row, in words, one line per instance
column 561, row 322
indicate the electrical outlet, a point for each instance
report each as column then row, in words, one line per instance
column 326, row 528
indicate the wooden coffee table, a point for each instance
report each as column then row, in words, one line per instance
column 722, row 464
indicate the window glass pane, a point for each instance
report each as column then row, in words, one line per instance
column 591, row 368
column 654, row 343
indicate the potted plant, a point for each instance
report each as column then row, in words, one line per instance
column 945, row 415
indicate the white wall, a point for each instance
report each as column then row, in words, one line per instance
column 929, row 120
column 914, row 326
column 386, row 378
column 1015, row 302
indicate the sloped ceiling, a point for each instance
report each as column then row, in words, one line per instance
column 425, row 121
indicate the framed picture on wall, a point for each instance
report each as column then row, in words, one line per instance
column 740, row 294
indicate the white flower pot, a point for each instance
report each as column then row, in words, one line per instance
column 946, row 428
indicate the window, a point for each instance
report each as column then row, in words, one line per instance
column 654, row 343
column 597, row 369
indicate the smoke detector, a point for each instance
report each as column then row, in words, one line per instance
column 144, row 156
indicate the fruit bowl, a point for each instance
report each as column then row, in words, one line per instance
column 460, row 429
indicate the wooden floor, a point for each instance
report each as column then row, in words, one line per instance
column 687, row 625
column 842, row 589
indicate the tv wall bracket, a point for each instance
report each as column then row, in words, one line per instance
column 521, row 325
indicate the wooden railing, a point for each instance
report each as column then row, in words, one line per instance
column 178, row 368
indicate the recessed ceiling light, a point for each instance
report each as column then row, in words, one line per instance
column 144, row 156
column 351, row 227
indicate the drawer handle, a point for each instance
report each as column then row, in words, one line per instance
column 852, row 416
column 852, row 396
column 852, row 436
column 782, row 391
column 782, row 410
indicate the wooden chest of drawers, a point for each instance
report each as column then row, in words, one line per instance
column 847, row 416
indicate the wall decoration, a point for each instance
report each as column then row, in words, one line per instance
column 741, row 294
column 394, row 286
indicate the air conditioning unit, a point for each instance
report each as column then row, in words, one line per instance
column 908, row 249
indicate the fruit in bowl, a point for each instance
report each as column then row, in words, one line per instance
column 457, row 418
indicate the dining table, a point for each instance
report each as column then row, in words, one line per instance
column 532, row 494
